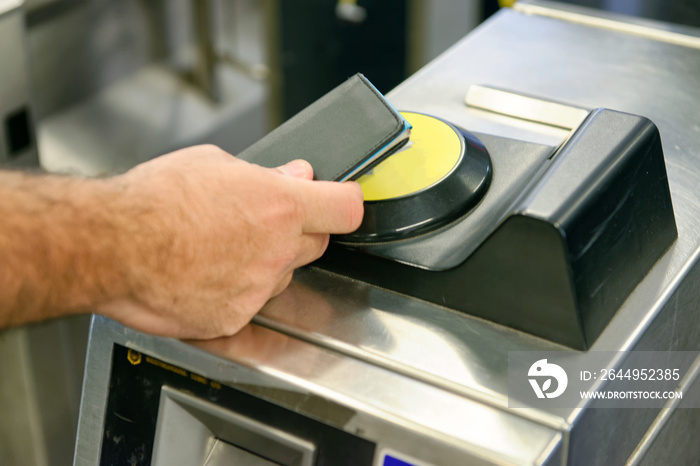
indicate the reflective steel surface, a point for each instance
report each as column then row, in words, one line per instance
column 585, row 66
column 587, row 74
column 413, row 417
column 438, row 378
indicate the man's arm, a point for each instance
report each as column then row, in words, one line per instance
column 188, row 245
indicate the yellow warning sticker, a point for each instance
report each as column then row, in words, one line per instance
column 135, row 358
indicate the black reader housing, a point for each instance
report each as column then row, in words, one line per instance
column 567, row 252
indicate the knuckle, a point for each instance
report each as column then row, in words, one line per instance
column 250, row 306
column 232, row 326
column 293, row 209
column 298, row 211
column 209, row 148
column 284, row 259
column 283, row 284
column 322, row 245
column 356, row 210
column 213, row 151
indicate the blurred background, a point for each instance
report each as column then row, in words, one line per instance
column 94, row 87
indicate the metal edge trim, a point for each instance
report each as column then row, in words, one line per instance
column 495, row 401
column 88, row 442
column 662, row 419
column 613, row 23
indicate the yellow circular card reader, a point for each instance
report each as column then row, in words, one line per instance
column 441, row 174
column 432, row 152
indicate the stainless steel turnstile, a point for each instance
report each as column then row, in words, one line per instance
column 338, row 371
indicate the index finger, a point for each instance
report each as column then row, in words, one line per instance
column 331, row 207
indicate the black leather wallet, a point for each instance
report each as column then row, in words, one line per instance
column 343, row 134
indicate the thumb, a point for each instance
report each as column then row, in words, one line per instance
column 298, row 169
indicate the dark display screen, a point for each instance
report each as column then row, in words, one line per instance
column 132, row 413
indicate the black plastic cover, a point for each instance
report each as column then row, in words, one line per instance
column 569, row 254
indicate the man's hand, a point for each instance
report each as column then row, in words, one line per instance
column 213, row 238
column 188, row 245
